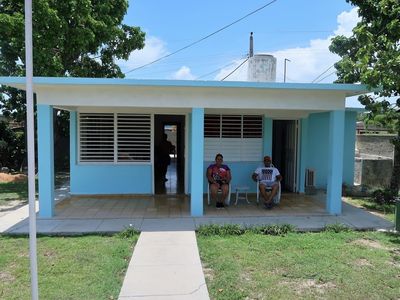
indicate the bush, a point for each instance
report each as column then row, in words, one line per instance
column 273, row 229
column 221, row 230
column 384, row 196
column 128, row 232
column 336, row 228
column 234, row 229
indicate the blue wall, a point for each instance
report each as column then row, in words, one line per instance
column 349, row 147
column 318, row 143
column 106, row 179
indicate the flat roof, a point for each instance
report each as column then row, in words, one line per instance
column 349, row 89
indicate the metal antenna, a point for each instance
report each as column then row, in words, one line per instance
column 251, row 52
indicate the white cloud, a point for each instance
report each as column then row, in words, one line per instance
column 306, row 63
column 183, row 73
column 154, row 48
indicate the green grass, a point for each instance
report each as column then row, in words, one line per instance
column 19, row 190
column 328, row 265
column 386, row 210
column 84, row 267
column 13, row 191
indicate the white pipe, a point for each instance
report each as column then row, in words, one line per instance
column 31, row 149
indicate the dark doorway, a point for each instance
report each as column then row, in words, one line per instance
column 169, row 173
column 284, row 151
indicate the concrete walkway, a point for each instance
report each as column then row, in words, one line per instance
column 165, row 265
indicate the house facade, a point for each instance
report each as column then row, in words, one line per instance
column 116, row 125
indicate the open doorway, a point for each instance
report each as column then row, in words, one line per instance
column 284, row 151
column 169, row 149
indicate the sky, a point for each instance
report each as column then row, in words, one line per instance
column 298, row 30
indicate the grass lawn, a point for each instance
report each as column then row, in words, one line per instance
column 386, row 210
column 345, row 265
column 83, row 267
column 13, row 191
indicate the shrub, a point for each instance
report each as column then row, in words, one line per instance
column 234, row 229
column 221, row 230
column 273, row 229
column 336, row 228
column 384, row 196
column 128, row 232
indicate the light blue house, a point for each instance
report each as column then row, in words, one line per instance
column 115, row 125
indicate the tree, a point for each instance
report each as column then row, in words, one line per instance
column 78, row 38
column 372, row 56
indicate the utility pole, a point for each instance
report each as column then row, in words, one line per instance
column 284, row 69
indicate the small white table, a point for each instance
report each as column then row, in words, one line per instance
column 241, row 193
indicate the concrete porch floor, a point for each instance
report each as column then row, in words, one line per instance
column 178, row 206
column 105, row 214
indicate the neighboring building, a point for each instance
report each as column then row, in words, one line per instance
column 115, row 125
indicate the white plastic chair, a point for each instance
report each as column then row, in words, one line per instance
column 277, row 197
column 227, row 199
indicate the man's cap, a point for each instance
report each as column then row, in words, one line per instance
column 266, row 157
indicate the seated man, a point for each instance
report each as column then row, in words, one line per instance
column 219, row 176
column 269, row 178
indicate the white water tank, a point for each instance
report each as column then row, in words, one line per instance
column 262, row 68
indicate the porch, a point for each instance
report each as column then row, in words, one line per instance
column 178, row 206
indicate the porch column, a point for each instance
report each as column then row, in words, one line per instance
column 267, row 138
column 335, row 162
column 45, row 160
column 303, row 153
column 197, row 162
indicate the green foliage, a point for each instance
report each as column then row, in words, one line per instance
column 234, row 229
column 12, row 147
column 221, row 230
column 128, row 232
column 77, row 38
column 274, row 229
column 384, row 196
column 372, row 56
column 337, row 228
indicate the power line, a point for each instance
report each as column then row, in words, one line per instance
column 235, row 69
column 203, row 38
column 326, row 76
column 322, row 74
column 219, row 69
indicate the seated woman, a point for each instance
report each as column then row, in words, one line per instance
column 219, row 176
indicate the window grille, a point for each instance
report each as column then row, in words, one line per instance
column 133, row 137
column 96, row 133
column 233, row 126
column 112, row 137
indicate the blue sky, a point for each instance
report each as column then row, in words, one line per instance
column 299, row 30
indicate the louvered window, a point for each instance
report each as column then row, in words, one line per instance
column 237, row 137
column 96, row 137
column 233, row 126
column 252, row 126
column 133, row 138
column 112, row 137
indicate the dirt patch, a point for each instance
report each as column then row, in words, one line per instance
column 370, row 244
column 6, row 277
column 362, row 262
column 208, row 273
column 306, row 285
column 4, row 177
